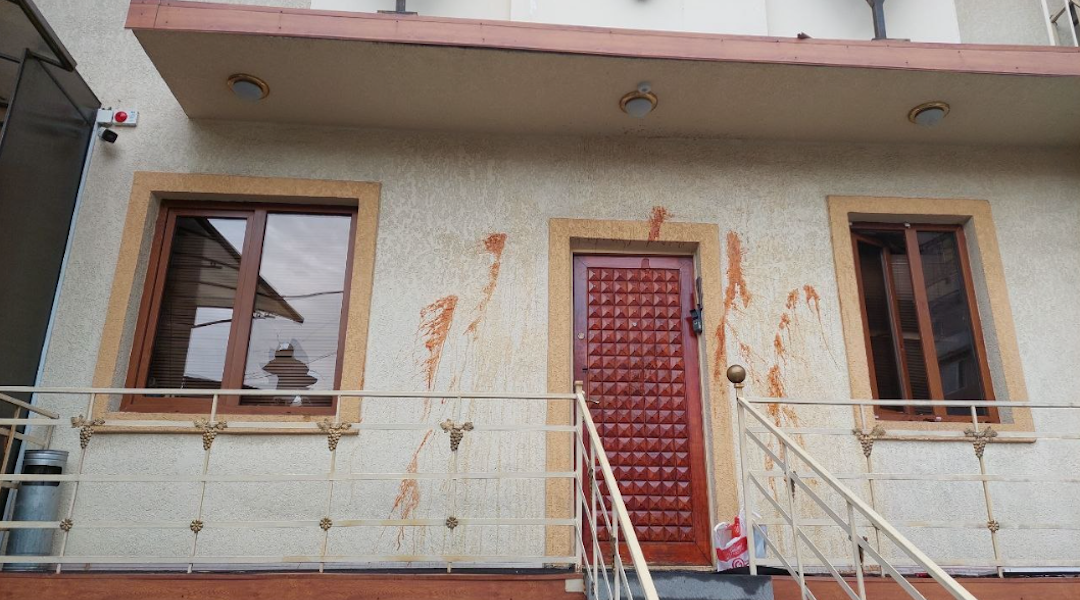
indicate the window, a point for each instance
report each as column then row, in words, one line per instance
column 920, row 319
column 251, row 298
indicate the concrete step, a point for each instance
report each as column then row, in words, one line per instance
column 699, row 585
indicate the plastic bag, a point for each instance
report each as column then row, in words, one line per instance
column 729, row 539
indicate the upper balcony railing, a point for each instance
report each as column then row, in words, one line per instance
column 1063, row 21
column 467, row 424
column 933, row 21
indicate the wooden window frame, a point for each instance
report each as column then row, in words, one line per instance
column 240, row 330
column 922, row 306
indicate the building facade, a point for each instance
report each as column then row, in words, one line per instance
column 453, row 202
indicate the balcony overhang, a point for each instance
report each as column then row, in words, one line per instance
column 424, row 73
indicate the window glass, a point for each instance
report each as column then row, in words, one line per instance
column 879, row 323
column 910, row 338
column 950, row 318
column 293, row 343
column 246, row 299
column 197, row 302
column 918, row 319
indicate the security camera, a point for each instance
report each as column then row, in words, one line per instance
column 108, row 135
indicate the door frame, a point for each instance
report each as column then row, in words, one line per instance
column 695, row 421
column 584, row 236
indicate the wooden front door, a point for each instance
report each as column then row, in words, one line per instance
column 636, row 353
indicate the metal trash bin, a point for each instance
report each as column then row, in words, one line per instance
column 36, row 501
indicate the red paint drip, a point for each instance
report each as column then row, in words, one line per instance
column 494, row 244
column 435, row 321
column 736, row 288
column 656, row 221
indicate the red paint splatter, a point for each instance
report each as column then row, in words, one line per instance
column 776, row 386
column 793, row 418
column 813, row 300
column 656, row 221
column 778, row 389
column 494, row 245
column 736, row 288
column 408, row 498
column 435, row 321
column 792, row 299
column 736, row 281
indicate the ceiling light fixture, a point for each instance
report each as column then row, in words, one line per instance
column 929, row 114
column 248, row 87
column 639, row 102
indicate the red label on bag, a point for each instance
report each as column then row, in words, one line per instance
column 733, row 552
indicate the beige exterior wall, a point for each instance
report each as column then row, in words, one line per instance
column 1005, row 21
column 969, row 21
column 442, row 195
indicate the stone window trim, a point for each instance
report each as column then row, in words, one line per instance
column 991, row 292
column 149, row 191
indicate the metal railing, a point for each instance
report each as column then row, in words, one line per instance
column 11, row 433
column 791, row 458
column 1062, row 15
column 1034, row 477
column 459, row 416
column 604, row 514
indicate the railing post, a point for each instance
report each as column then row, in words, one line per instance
column 736, row 374
column 856, row 555
column 871, row 481
column 454, row 487
column 578, row 440
column 85, row 445
column 9, row 444
column 196, row 524
column 616, row 558
column 1070, row 12
column 1050, row 33
column 991, row 522
column 326, row 523
column 789, row 491
column 593, row 493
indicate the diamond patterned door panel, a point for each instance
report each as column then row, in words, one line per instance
column 634, row 350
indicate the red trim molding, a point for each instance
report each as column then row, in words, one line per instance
column 200, row 17
column 292, row 586
column 984, row 588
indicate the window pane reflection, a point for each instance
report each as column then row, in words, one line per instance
column 949, row 318
column 876, row 299
column 296, row 320
column 196, row 312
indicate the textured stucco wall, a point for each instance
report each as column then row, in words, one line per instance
column 442, row 195
column 1002, row 22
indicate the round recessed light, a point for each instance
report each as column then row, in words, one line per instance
column 248, row 87
column 639, row 102
column 929, row 114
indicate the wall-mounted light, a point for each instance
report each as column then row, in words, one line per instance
column 928, row 114
column 248, row 87
column 639, row 102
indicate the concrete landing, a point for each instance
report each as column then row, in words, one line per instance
column 698, row 585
